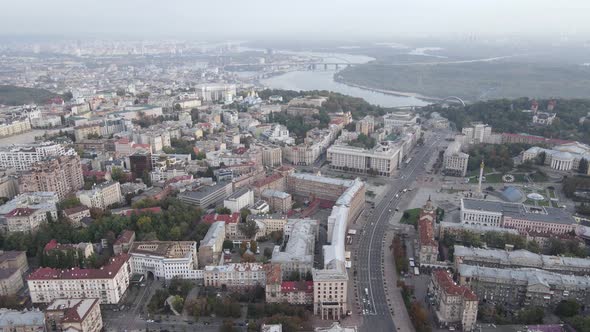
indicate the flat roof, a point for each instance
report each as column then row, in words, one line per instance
column 165, row 249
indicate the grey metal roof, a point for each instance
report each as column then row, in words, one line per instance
column 521, row 211
column 530, row 276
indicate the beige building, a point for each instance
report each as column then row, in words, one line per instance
column 303, row 154
column 330, row 293
column 11, row 281
column 164, row 260
column 454, row 161
column 102, row 195
column 454, row 305
column 24, row 220
column 278, row 201
column 366, row 125
column 62, row 175
column 8, row 186
column 108, row 283
column 21, row 321
column 272, row 156
column 14, row 260
column 428, row 253
column 83, row 132
column 382, row 160
column 77, row 213
column 80, row 315
column 211, row 246
column 235, row 275
column 15, row 127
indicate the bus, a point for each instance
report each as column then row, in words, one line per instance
column 416, row 271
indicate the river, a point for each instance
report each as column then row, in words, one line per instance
column 324, row 80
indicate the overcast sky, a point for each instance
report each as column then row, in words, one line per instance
column 304, row 19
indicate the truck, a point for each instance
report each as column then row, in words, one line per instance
column 416, row 271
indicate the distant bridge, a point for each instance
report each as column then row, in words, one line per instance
column 455, row 99
column 304, row 65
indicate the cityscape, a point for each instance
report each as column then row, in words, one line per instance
column 236, row 178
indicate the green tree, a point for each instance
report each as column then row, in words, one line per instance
column 118, row 175
column 567, row 308
column 228, row 244
column 223, row 210
column 248, row 228
column 583, row 166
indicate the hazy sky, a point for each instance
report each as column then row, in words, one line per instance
column 303, row 19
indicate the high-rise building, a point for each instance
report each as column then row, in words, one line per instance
column 454, row 161
column 454, row 305
column 62, row 175
column 21, row 157
column 140, row 163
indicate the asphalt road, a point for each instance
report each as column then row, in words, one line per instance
column 370, row 283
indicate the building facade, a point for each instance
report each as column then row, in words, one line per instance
column 235, row 275
column 81, row 315
column 454, row 305
column 62, row 175
column 164, row 260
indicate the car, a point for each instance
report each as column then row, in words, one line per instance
column 149, row 321
column 396, row 209
column 389, row 210
column 157, row 320
column 206, row 323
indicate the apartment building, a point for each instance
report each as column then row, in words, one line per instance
column 235, row 275
column 454, row 161
column 207, row 196
column 272, row 156
column 81, row 315
column 366, row 125
column 298, row 253
column 24, row 220
column 108, row 284
column 62, row 175
column 302, row 154
column 517, row 288
column 454, row 305
column 8, row 186
column 21, row 321
column 521, row 217
column 164, row 260
column 330, row 293
column 76, row 214
column 275, row 182
column 14, row 260
column 87, row 130
column 239, row 199
column 212, row 244
column 505, row 259
column 11, row 281
column 271, row 222
column 480, row 133
column 383, row 160
column 123, row 242
column 278, row 201
column 102, row 195
column 21, row 157
column 36, row 205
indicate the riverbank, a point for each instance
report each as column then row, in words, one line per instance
column 387, row 92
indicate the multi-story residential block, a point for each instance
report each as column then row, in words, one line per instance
column 302, row 154
column 21, row 157
column 21, row 321
column 297, row 256
column 14, row 260
column 101, row 195
column 277, row 133
column 8, row 186
column 278, row 201
column 212, row 244
column 123, row 242
column 11, row 281
column 235, row 275
column 78, row 251
column 85, row 131
column 140, row 163
column 276, row 182
column 76, row 214
column 520, row 259
column 454, row 161
column 239, row 199
column 521, row 217
column 108, row 284
column 81, row 315
column 384, row 159
column 428, row 253
column 454, row 305
column 271, row 222
column 480, row 133
column 366, row 126
column 41, row 204
column 207, row 196
column 516, row 288
column 272, row 156
column 165, row 259
column 62, row 175
column 330, row 293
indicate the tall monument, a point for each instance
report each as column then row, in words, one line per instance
column 481, row 167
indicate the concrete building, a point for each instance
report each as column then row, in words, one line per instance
column 21, row 157
column 276, row 182
column 398, row 119
column 76, row 214
column 480, row 133
column 277, row 133
column 457, row 229
column 15, row 127
column 212, row 244
column 62, row 175
column 504, row 259
column 87, row 130
column 272, row 156
column 330, row 294
column 108, row 284
column 164, row 260
column 102, row 195
column 14, row 260
column 81, row 315
column 11, row 281
column 140, row 163
column 239, row 199
column 297, row 256
column 124, row 242
column 454, row 305
column 517, row 288
column 521, row 217
column 207, row 196
column 8, row 186
column 21, row 321
column 365, row 126
column 235, row 276
column 41, row 203
column 428, row 253
column 271, row 222
column 565, row 157
column 278, row 201
column 383, row 160
column 454, row 161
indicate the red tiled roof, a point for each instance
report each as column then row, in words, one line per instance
column 426, row 231
column 443, row 278
column 267, row 180
column 273, row 273
column 539, row 138
column 137, row 145
column 297, row 286
column 123, row 141
column 20, row 212
column 51, row 245
column 124, row 237
column 228, row 218
column 108, row 271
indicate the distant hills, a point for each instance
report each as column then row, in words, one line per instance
column 15, row 95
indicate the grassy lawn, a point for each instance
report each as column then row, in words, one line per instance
column 544, row 203
column 475, row 172
column 539, row 177
column 519, row 177
column 494, row 178
column 410, row 217
column 551, row 193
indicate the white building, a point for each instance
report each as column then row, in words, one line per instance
column 27, row 211
column 454, row 160
column 239, row 199
column 398, row 119
column 101, row 196
column 278, row 133
column 165, row 260
column 212, row 244
column 480, row 133
column 565, row 157
column 297, row 256
column 382, row 160
column 21, row 157
column 108, row 284
column 235, row 275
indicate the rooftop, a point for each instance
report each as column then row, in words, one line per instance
column 322, row 179
column 10, row 318
column 275, row 193
column 216, row 230
column 524, row 275
column 165, row 249
column 445, row 281
column 227, row 218
column 235, row 267
column 75, row 310
column 124, row 237
column 520, row 211
column 108, row 271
